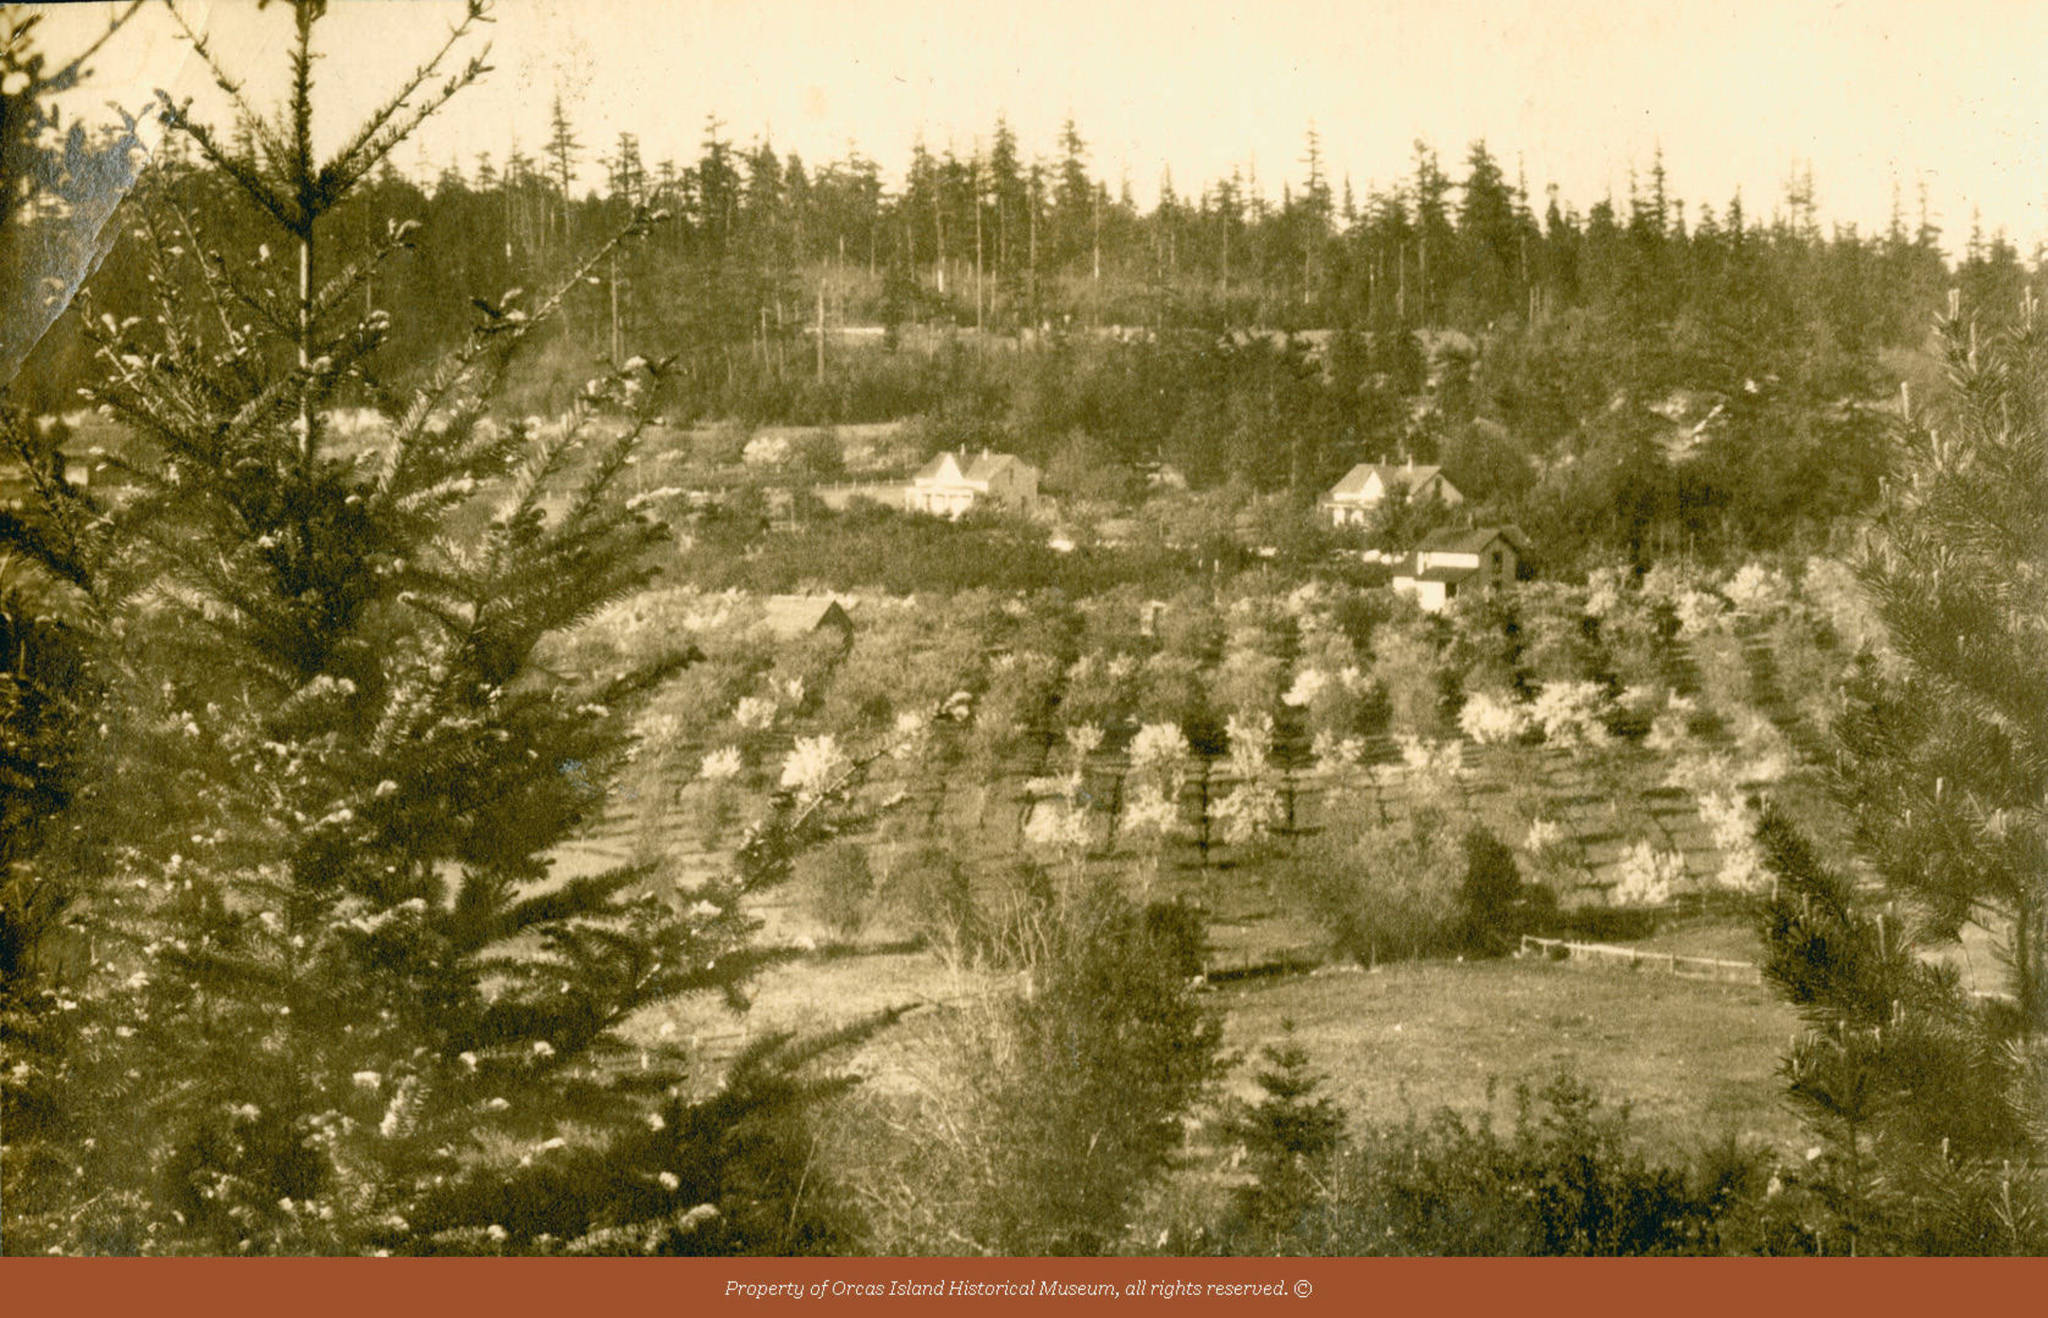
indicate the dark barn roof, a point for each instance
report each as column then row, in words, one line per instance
column 791, row 616
column 1472, row 541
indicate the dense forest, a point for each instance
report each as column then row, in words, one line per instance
column 763, row 244
column 1638, row 374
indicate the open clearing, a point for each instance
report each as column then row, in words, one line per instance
column 1697, row 1060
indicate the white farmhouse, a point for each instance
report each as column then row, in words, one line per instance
column 1450, row 563
column 951, row 483
column 1351, row 500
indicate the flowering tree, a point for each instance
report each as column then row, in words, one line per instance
column 1434, row 769
column 815, row 767
column 1732, row 823
column 1248, row 682
column 1571, row 714
column 1757, row 590
column 1337, row 703
column 1647, row 877
column 1158, row 779
column 1673, row 724
column 1174, row 696
column 1555, row 855
column 1100, row 689
column 1493, row 720
column 717, row 789
column 1254, row 808
column 1057, row 817
column 1013, row 718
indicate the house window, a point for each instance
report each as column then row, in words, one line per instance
column 1499, row 567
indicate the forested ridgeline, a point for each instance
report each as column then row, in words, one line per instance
column 999, row 242
column 1640, row 374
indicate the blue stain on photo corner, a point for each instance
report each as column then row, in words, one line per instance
column 575, row 772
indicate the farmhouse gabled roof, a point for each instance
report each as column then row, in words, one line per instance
column 1390, row 475
column 985, row 465
column 977, row 467
column 930, row 471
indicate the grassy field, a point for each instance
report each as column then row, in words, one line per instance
column 1697, row 1060
column 1720, row 938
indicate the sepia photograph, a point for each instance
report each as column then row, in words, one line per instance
column 889, row 629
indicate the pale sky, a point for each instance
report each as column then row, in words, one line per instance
column 1738, row 92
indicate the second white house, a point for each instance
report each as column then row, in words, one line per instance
column 951, row 483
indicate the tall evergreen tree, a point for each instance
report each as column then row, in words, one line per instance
column 1488, row 235
column 1932, row 1102
column 563, row 149
column 1292, row 1136
column 1948, row 748
column 1073, row 198
column 1927, row 1103
column 334, row 981
column 1433, row 257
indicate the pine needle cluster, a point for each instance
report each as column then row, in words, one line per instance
column 1929, row 1099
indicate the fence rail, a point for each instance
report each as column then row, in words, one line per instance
column 1685, row 967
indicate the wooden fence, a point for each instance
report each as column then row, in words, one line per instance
column 1685, row 967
